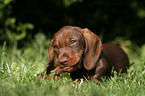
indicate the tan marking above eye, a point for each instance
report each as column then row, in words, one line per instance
column 67, row 39
column 56, row 44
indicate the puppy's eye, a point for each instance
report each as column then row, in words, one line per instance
column 73, row 41
column 56, row 47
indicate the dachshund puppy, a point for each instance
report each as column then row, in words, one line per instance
column 81, row 53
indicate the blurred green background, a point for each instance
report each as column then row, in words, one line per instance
column 20, row 20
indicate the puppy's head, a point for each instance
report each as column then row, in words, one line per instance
column 67, row 47
column 73, row 47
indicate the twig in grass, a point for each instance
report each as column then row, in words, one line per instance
column 55, row 69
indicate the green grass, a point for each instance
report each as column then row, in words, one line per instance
column 19, row 69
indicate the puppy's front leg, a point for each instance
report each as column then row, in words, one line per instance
column 102, row 69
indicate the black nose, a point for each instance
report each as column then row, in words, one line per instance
column 63, row 60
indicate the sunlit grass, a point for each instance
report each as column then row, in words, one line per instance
column 19, row 69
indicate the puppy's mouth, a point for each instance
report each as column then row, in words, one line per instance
column 66, row 68
column 69, row 68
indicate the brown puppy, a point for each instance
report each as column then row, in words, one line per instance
column 81, row 53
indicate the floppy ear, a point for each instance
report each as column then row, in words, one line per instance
column 93, row 49
column 51, row 64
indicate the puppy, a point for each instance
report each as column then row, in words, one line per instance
column 81, row 53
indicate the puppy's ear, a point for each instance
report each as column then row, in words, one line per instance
column 93, row 49
column 51, row 64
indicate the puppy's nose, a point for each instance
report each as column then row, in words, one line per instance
column 63, row 60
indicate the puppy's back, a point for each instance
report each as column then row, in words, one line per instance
column 116, row 56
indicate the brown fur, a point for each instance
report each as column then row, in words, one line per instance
column 81, row 53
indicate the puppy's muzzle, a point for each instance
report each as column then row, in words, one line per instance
column 63, row 61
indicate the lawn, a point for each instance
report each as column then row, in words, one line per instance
column 19, row 68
